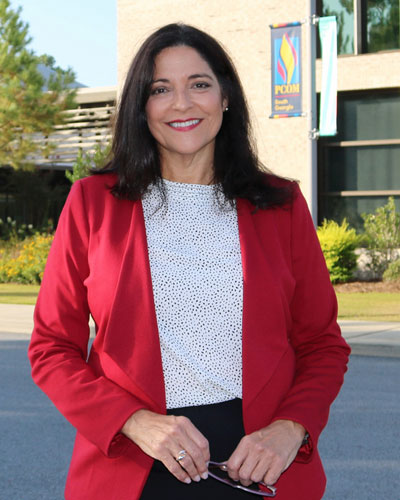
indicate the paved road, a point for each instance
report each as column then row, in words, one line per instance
column 360, row 447
column 35, row 441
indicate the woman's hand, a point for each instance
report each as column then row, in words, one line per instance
column 164, row 436
column 265, row 454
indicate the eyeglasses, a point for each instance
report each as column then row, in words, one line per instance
column 219, row 473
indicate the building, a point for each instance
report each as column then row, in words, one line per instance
column 86, row 126
column 357, row 169
column 37, row 197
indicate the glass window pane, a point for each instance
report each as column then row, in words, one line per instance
column 361, row 116
column 362, row 169
column 337, row 208
column 369, row 117
column 382, row 25
column 344, row 12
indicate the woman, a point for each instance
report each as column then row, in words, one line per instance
column 216, row 334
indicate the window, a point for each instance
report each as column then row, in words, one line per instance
column 344, row 12
column 360, row 167
column 364, row 26
column 381, row 25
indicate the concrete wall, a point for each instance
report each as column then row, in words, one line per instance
column 366, row 71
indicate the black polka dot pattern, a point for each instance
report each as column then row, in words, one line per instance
column 196, row 272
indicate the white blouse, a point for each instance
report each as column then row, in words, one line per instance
column 196, row 271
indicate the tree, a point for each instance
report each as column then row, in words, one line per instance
column 382, row 235
column 87, row 161
column 29, row 103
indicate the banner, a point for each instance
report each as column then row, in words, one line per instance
column 286, row 83
column 328, row 103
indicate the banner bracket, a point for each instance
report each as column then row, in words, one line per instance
column 314, row 19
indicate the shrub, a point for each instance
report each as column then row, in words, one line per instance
column 382, row 236
column 10, row 230
column 85, row 162
column 338, row 244
column 25, row 261
column 392, row 272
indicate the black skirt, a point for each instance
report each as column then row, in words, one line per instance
column 222, row 425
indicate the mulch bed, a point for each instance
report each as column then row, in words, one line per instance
column 369, row 286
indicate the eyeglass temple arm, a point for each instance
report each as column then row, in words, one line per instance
column 222, row 466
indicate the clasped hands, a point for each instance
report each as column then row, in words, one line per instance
column 260, row 456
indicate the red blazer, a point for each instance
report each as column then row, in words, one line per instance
column 294, row 357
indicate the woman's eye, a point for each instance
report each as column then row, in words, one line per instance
column 159, row 90
column 201, row 85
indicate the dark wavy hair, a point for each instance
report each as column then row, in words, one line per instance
column 135, row 155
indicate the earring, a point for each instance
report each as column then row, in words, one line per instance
column 226, row 109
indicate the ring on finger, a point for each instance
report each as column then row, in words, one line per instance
column 181, row 455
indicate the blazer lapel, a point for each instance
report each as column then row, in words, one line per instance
column 132, row 339
column 264, row 328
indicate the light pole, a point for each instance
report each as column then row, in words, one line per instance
column 312, row 109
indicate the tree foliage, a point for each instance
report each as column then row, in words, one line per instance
column 392, row 272
column 86, row 162
column 29, row 104
column 382, row 235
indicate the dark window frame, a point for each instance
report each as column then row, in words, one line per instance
column 360, row 34
column 324, row 143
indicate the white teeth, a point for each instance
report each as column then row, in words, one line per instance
column 184, row 124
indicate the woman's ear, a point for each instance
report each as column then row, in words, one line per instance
column 224, row 104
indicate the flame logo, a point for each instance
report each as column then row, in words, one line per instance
column 287, row 59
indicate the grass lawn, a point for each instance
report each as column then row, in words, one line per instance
column 364, row 306
column 14, row 293
column 370, row 306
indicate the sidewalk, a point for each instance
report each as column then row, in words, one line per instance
column 372, row 337
column 365, row 337
column 16, row 322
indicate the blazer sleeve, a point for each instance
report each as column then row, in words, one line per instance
column 93, row 404
column 320, row 350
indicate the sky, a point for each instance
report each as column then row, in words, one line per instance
column 81, row 34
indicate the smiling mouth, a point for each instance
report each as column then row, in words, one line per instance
column 183, row 126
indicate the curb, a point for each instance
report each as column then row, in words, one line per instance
column 384, row 351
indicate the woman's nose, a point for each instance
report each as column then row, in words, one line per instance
column 182, row 100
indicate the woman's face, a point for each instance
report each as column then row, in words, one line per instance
column 185, row 107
